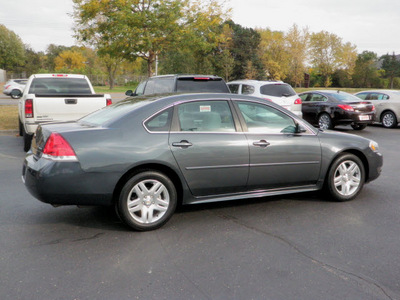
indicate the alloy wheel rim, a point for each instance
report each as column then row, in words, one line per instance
column 388, row 120
column 347, row 178
column 148, row 201
column 324, row 122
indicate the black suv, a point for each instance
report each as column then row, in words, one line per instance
column 166, row 84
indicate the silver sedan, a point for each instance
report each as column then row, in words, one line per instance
column 387, row 105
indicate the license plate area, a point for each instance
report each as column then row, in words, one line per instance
column 365, row 118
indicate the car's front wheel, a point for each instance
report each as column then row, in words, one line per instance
column 147, row 201
column 325, row 121
column 389, row 119
column 345, row 178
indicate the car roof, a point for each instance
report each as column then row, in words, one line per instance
column 256, row 82
column 187, row 76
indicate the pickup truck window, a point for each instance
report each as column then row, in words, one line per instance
column 49, row 86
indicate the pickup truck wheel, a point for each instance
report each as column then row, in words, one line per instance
column 21, row 128
column 27, row 141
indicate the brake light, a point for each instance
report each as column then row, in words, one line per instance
column 7, row 87
column 201, row 78
column 108, row 102
column 29, row 108
column 60, row 75
column 297, row 101
column 373, row 107
column 57, row 148
column 346, row 107
column 267, row 99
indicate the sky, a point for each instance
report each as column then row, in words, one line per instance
column 372, row 25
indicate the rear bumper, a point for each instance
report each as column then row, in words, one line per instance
column 65, row 183
column 354, row 118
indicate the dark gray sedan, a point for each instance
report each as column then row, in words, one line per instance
column 144, row 155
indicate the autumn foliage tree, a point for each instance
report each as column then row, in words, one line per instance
column 144, row 28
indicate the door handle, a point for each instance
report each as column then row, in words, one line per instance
column 262, row 143
column 182, row 144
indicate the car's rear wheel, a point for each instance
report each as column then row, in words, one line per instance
column 13, row 95
column 147, row 201
column 325, row 121
column 389, row 119
column 359, row 126
column 346, row 177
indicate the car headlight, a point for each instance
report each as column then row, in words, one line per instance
column 373, row 146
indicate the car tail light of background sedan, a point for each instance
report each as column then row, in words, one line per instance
column 108, row 102
column 297, row 101
column 346, row 107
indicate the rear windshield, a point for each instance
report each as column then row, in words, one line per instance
column 202, row 85
column 345, row 97
column 110, row 113
column 277, row 90
column 49, row 86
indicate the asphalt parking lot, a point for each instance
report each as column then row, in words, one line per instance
column 288, row 247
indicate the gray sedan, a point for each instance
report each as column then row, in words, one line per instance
column 387, row 105
column 146, row 155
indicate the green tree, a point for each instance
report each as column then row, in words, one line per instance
column 325, row 51
column 273, row 53
column 297, row 46
column 146, row 28
column 245, row 42
column 366, row 73
column 12, row 50
column 391, row 66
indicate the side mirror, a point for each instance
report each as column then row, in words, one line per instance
column 129, row 93
column 300, row 129
column 16, row 93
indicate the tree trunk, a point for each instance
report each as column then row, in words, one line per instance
column 150, row 61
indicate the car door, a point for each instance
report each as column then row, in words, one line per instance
column 212, row 155
column 280, row 156
column 380, row 101
column 312, row 105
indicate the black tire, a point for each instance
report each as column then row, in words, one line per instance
column 13, row 96
column 27, row 140
column 389, row 119
column 20, row 127
column 359, row 126
column 325, row 121
column 152, row 199
column 345, row 178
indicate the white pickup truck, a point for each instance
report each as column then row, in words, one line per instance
column 55, row 98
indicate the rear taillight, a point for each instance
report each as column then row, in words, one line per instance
column 297, row 101
column 108, row 102
column 7, row 87
column 346, row 107
column 28, row 108
column 373, row 107
column 57, row 148
column 267, row 99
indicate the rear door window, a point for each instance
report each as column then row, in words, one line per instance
column 247, row 89
column 234, row 88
